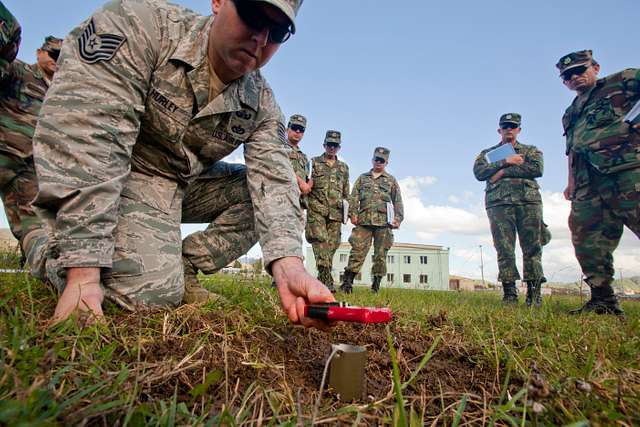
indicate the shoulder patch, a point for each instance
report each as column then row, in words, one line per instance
column 282, row 133
column 98, row 47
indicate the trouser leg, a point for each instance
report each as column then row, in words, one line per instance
column 529, row 226
column 221, row 198
column 503, row 230
column 382, row 242
column 316, row 233
column 360, row 241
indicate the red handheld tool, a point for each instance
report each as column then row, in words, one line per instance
column 346, row 313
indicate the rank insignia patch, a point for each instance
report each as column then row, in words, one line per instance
column 98, row 47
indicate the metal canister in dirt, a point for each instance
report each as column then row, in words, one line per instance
column 346, row 371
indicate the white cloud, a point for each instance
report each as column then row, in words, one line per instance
column 454, row 199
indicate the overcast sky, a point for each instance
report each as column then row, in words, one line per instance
column 429, row 80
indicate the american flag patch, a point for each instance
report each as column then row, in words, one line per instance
column 98, row 47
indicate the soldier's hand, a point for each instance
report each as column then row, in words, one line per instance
column 354, row 219
column 568, row 192
column 396, row 224
column 82, row 295
column 637, row 127
column 297, row 288
column 515, row 159
column 496, row 176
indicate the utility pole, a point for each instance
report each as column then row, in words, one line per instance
column 482, row 267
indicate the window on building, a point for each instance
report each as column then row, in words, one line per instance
column 372, row 260
column 424, row 279
column 390, row 259
column 359, row 276
column 390, row 277
column 406, row 278
column 407, row 259
column 423, row 259
column 343, row 257
column 341, row 279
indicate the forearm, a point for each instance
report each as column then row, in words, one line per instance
column 484, row 170
column 526, row 170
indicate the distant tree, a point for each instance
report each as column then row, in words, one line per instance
column 236, row 264
column 257, row 267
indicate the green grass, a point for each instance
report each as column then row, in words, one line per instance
column 448, row 359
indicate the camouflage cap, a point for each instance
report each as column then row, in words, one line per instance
column 51, row 43
column 332, row 136
column 298, row 119
column 574, row 59
column 381, row 152
column 288, row 7
column 510, row 118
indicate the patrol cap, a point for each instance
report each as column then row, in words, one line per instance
column 510, row 118
column 332, row 136
column 575, row 59
column 298, row 119
column 288, row 7
column 51, row 44
column 381, row 152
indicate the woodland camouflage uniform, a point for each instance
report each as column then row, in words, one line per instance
column 605, row 154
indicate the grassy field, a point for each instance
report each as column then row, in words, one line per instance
column 447, row 359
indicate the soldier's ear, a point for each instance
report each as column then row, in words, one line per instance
column 596, row 67
column 215, row 6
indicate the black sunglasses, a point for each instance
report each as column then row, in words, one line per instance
column 379, row 160
column 509, row 126
column 254, row 18
column 297, row 128
column 54, row 54
column 576, row 71
column 332, row 145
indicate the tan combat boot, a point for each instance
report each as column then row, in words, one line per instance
column 194, row 293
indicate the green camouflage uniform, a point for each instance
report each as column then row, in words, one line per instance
column 369, row 198
column 128, row 146
column 22, row 90
column 514, row 205
column 299, row 160
column 606, row 168
column 325, row 214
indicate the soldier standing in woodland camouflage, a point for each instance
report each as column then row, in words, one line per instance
column 514, row 205
column 368, row 211
column 22, row 89
column 299, row 160
column 604, row 170
column 330, row 188
column 148, row 98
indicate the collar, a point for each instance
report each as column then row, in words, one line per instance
column 192, row 51
column 323, row 158
column 39, row 74
column 384, row 173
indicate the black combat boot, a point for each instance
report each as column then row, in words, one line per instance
column 375, row 286
column 603, row 301
column 534, row 293
column 324, row 275
column 347, row 282
column 510, row 291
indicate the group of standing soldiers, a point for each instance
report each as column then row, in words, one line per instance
column 603, row 148
column 374, row 206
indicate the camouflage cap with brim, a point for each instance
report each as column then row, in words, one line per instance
column 333, row 136
column 51, row 44
column 288, row 7
column 574, row 59
column 381, row 152
column 10, row 30
column 298, row 119
column 514, row 118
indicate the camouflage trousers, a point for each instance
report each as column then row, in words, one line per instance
column 526, row 221
column 598, row 214
column 325, row 236
column 147, row 264
column 360, row 241
column 18, row 188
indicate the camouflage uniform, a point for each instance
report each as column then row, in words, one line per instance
column 22, row 90
column 514, row 205
column 369, row 198
column 325, row 212
column 299, row 160
column 128, row 146
column 605, row 154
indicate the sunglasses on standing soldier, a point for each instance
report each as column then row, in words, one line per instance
column 576, row 71
column 254, row 18
column 297, row 128
column 53, row 53
column 332, row 145
column 379, row 160
column 508, row 126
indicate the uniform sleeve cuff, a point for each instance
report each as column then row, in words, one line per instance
column 83, row 253
column 271, row 255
